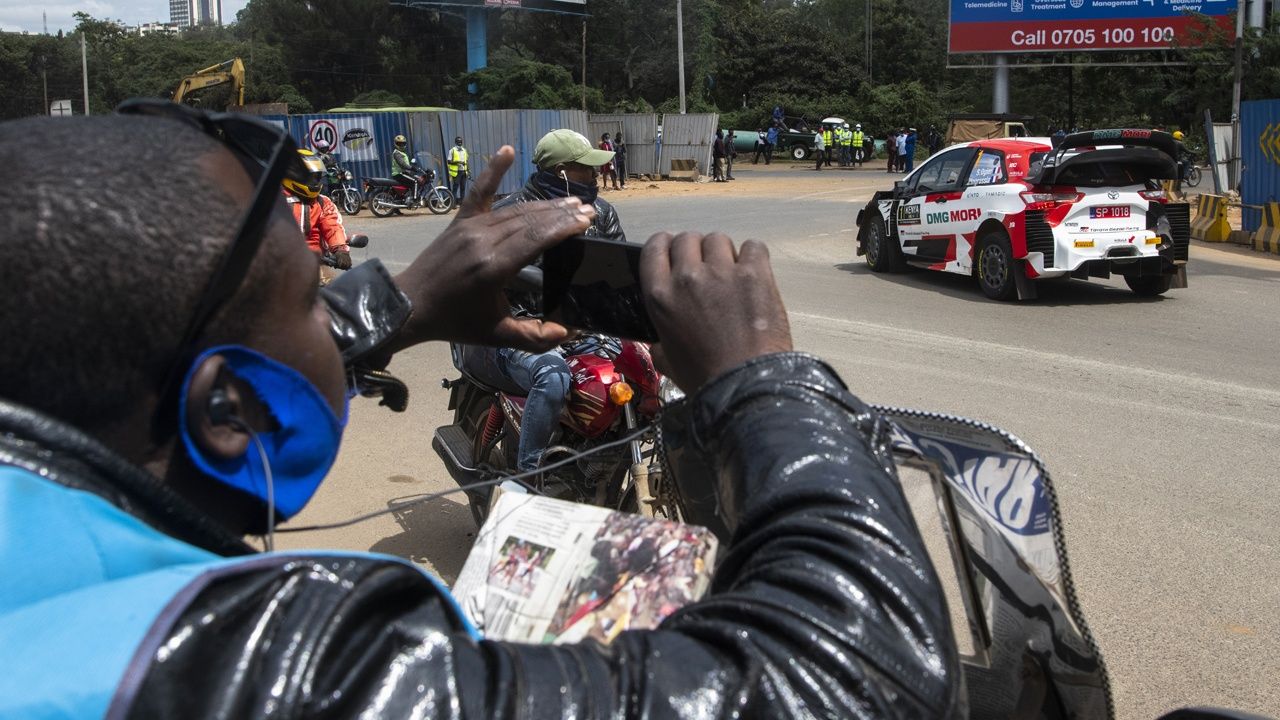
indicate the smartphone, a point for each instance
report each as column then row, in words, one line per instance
column 593, row 284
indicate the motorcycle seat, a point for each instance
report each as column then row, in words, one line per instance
column 381, row 181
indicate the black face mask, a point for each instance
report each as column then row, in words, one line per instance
column 554, row 185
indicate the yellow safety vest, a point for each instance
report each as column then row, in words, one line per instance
column 857, row 138
column 457, row 160
column 826, row 138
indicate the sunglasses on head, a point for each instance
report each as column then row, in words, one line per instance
column 269, row 155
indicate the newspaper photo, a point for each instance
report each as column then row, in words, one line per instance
column 550, row 571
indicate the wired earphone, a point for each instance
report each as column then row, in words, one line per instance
column 221, row 413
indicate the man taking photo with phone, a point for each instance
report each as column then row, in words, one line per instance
column 188, row 392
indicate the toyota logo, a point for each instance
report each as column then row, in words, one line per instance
column 1112, row 195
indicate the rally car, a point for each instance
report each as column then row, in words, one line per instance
column 1010, row 211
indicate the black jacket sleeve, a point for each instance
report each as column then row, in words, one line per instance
column 825, row 605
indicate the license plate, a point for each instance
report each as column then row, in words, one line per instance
column 1107, row 212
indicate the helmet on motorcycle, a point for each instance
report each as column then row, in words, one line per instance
column 1177, row 135
column 400, row 141
column 315, row 176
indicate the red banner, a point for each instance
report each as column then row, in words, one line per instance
column 1063, row 35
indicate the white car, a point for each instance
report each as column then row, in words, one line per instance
column 1011, row 211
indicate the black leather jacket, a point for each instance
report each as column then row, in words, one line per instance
column 824, row 605
column 606, row 225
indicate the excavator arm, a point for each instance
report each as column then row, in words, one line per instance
column 231, row 71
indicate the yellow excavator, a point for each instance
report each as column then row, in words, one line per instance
column 231, row 71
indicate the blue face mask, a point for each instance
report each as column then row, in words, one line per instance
column 302, row 445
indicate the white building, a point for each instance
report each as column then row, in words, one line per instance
column 186, row 13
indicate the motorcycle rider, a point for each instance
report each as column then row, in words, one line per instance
column 130, row 592
column 401, row 165
column 317, row 217
column 567, row 166
column 456, row 164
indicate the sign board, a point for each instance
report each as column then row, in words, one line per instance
column 350, row 138
column 60, row 108
column 1008, row 26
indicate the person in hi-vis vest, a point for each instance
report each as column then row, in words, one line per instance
column 456, row 164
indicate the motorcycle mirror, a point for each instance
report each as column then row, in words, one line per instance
column 358, row 241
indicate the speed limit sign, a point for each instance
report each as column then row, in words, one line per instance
column 323, row 135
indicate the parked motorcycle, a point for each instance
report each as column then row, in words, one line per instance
column 340, row 186
column 386, row 195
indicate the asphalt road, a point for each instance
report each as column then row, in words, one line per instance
column 1158, row 420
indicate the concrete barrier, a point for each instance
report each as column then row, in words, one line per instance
column 1210, row 223
column 1267, row 237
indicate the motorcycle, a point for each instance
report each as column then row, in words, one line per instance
column 612, row 396
column 340, row 186
column 387, row 195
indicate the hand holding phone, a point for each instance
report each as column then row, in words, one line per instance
column 714, row 307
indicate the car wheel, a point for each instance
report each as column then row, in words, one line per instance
column 883, row 253
column 799, row 153
column 996, row 266
column 1149, row 285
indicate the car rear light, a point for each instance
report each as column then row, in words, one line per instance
column 1159, row 196
column 1048, row 200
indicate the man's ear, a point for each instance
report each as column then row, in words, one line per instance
column 212, row 399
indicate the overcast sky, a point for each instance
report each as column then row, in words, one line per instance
column 25, row 15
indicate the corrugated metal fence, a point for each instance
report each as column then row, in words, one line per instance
column 639, row 132
column 1260, row 151
column 363, row 142
column 687, row 137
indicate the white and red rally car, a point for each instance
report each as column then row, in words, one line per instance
column 1012, row 210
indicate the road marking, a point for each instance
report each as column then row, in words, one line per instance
column 1195, row 391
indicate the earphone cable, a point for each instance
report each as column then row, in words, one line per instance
column 637, row 434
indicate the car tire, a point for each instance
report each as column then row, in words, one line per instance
column 995, row 266
column 1149, row 285
column 799, row 153
column 882, row 252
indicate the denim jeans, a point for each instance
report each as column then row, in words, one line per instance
column 545, row 376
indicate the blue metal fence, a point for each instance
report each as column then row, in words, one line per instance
column 363, row 141
column 1260, row 153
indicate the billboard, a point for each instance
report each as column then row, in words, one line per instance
column 1004, row 26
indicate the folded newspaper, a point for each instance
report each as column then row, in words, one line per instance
column 549, row 571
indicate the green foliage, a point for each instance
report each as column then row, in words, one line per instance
column 377, row 98
column 513, row 81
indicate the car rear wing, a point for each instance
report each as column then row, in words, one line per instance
column 1157, row 139
column 1144, row 154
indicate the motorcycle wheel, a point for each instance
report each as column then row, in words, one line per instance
column 1193, row 177
column 439, row 200
column 351, row 201
column 382, row 203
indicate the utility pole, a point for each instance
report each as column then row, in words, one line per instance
column 1235, row 99
column 44, row 81
column 84, row 71
column 868, row 41
column 584, row 64
column 680, row 47
column 1000, row 85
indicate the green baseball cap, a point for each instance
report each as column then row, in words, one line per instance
column 567, row 146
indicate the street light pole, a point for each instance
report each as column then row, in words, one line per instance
column 680, row 47
column 1235, row 98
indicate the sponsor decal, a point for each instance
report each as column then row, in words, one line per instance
column 908, row 214
column 1120, row 134
column 965, row 215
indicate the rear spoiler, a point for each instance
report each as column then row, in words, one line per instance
column 1155, row 151
column 1157, row 139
